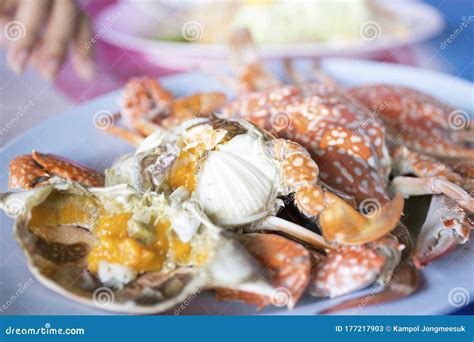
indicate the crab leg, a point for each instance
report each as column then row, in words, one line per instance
column 446, row 226
column 416, row 120
column 252, row 74
column 408, row 162
column 29, row 171
column 146, row 106
column 194, row 106
column 288, row 268
column 130, row 137
column 438, row 177
column 339, row 221
column 144, row 98
column 411, row 186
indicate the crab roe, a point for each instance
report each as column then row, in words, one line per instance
column 115, row 246
column 113, row 242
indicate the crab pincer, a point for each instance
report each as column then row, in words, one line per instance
column 36, row 169
column 287, row 265
column 339, row 221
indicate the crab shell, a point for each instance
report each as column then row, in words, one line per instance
column 56, row 256
column 237, row 179
column 332, row 128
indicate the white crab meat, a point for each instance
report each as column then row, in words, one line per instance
column 115, row 275
column 237, row 183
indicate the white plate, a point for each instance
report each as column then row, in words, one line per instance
column 73, row 135
column 422, row 21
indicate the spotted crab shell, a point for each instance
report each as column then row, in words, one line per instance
column 56, row 256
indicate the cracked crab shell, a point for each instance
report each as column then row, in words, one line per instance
column 57, row 257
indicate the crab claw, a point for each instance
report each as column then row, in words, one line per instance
column 288, row 265
column 405, row 281
column 24, row 173
column 351, row 268
column 345, row 225
column 446, row 226
column 344, row 271
column 29, row 171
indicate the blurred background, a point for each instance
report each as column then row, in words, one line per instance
column 142, row 37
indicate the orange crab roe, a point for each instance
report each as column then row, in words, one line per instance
column 185, row 168
column 183, row 171
column 113, row 244
column 65, row 209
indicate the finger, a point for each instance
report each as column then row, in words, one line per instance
column 7, row 7
column 59, row 32
column 83, row 52
column 25, row 29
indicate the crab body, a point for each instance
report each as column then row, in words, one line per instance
column 346, row 143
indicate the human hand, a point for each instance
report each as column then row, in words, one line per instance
column 41, row 32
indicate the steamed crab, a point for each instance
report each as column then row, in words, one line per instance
column 348, row 142
column 349, row 145
column 244, row 175
column 236, row 172
column 354, row 237
column 135, row 245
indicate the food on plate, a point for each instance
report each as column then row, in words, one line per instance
column 197, row 206
column 136, row 246
column 350, row 142
column 275, row 21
